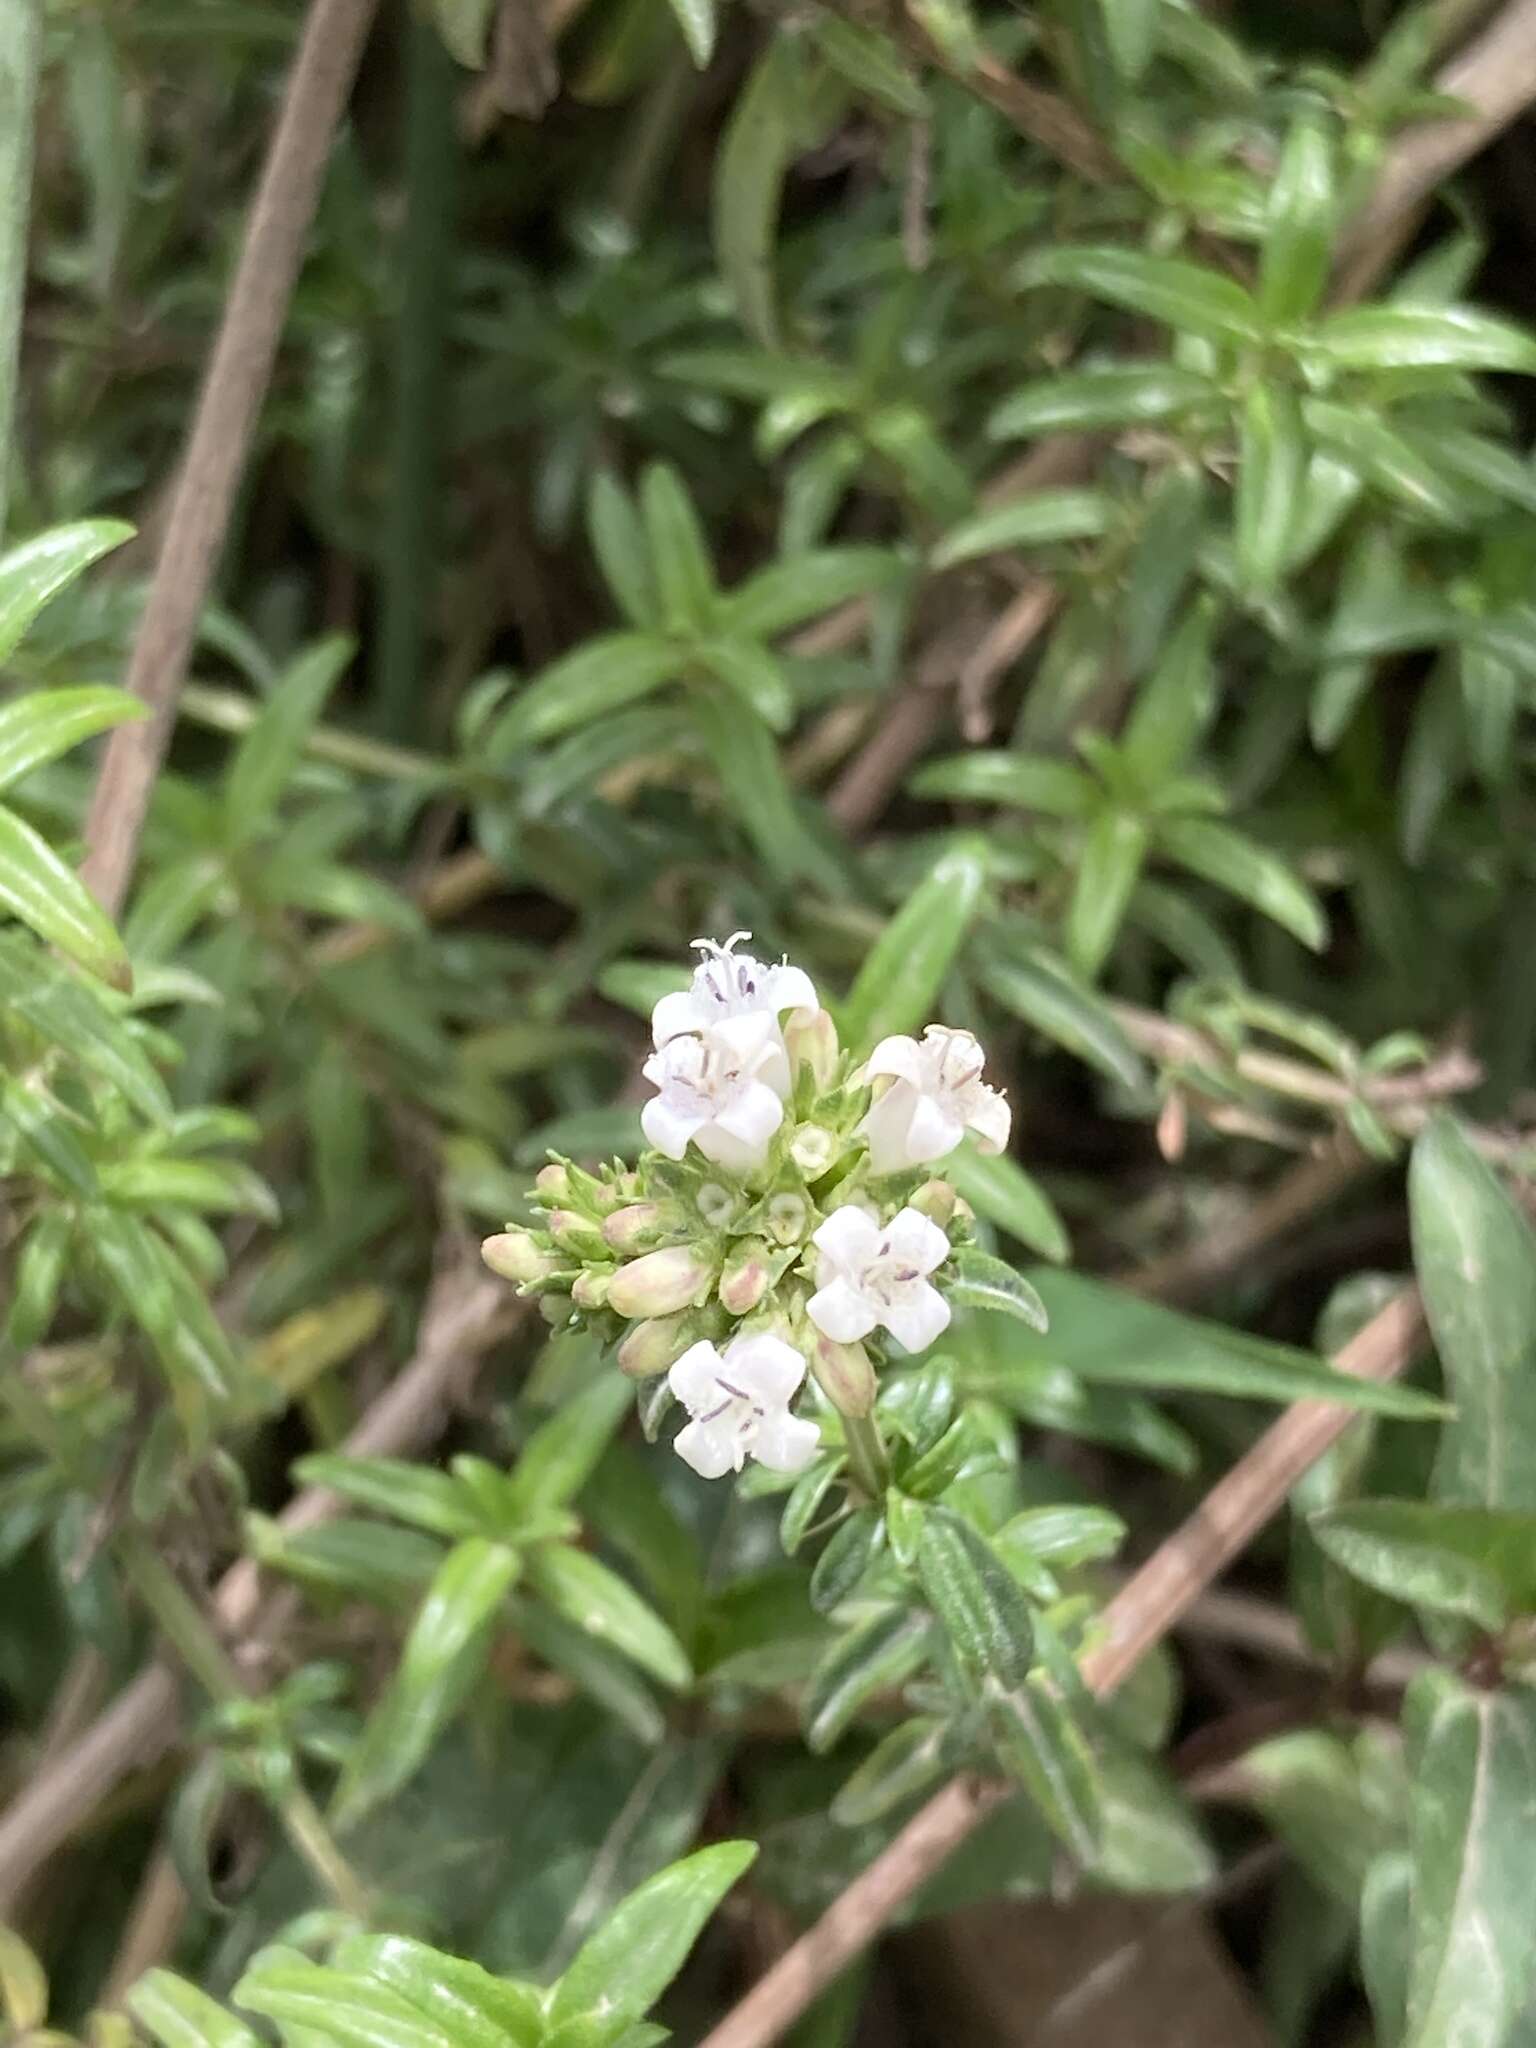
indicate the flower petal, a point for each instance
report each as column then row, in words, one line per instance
column 677, row 1013
column 765, row 1367
column 788, row 988
column 850, row 1237
column 901, row 1057
column 885, row 1127
column 733, row 1153
column 753, row 1114
column 921, row 1315
column 933, row 1132
column 916, row 1240
column 667, row 1127
column 840, row 1312
column 710, row 1450
column 786, row 1444
column 990, row 1116
column 695, row 1377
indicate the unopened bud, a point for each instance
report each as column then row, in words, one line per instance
column 746, row 1277
column 590, row 1287
column 553, row 1182
column 575, row 1233
column 633, row 1228
column 650, row 1347
column 845, row 1375
column 787, row 1218
column 811, row 1041
column 555, row 1309
column 717, row 1204
column 935, row 1199
column 659, row 1282
column 517, row 1255
column 813, row 1150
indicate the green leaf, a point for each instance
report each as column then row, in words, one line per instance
column 46, row 723
column 1471, row 1773
column 562, row 1454
column 1111, row 395
column 755, row 790
column 477, row 2009
column 802, row 587
column 877, row 1655
column 261, row 765
column 1271, row 460
column 40, row 568
column 1175, row 705
column 906, row 968
column 589, row 682
column 752, row 673
column 685, row 576
column 1477, row 1562
column 312, row 2001
column 902, row 1764
column 1421, row 338
column 1039, row 1744
column 48, row 897
column 1386, row 1935
column 999, row 1189
column 976, row 1598
column 1131, row 30
column 463, row 25
column 976, row 1280
column 622, row 1970
column 584, row 1591
column 219, row 1187
column 1055, row 1004
column 1225, row 858
column 1032, row 781
column 623, row 553
column 1395, row 466
column 72, row 1016
column 1185, row 296
column 394, row 1487
column 442, row 1658
column 696, row 19
column 1298, row 240
column 1038, row 520
column 367, row 1560
column 180, row 2016
column 847, row 1557
column 1475, row 1257
column 871, row 63
column 759, row 142
column 1167, row 548
column 1108, row 869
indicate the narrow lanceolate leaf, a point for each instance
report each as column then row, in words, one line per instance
column 1476, row 1562
column 259, row 770
column 871, row 63
column 876, row 1656
column 1130, row 30
column 46, row 723
column 976, row 1599
column 314, row 2002
column 23, row 1985
column 754, row 154
column 1038, row 520
column 1476, row 1262
column 906, row 968
column 562, row 1454
column 803, row 587
column 1182, row 295
column 976, row 1280
column 41, row 567
column 620, row 1971
column 685, row 577
column 622, row 550
column 479, row 2010
column 1109, row 867
column 1052, row 1002
column 1175, row 705
column 441, row 1661
column 1040, row 1745
column 178, row 2015
column 1473, row 1776
column 1243, row 869
column 998, row 1188
column 1271, row 459
column 50, row 898
column 583, row 1590
column 1032, row 781
column 1421, row 338
column 592, row 680
column 1298, row 242
column 1114, row 395
column 696, row 19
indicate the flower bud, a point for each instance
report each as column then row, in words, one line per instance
column 845, row 1375
column 553, row 1182
column 935, row 1199
column 590, row 1287
column 555, row 1309
column 517, row 1255
column 788, row 1216
column 634, row 1228
column 659, row 1282
column 717, row 1204
column 747, row 1276
column 811, row 1041
column 575, row 1233
column 813, row 1149
column 650, row 1347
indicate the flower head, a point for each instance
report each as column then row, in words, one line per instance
column 739, row 1401
column 729, row 984
column 724, row 1088
column 933, row 1096
column 870, row 1274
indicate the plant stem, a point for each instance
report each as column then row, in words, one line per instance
column 426, row 263
column 20, row 41
column 231, row 711
column 867, row 1458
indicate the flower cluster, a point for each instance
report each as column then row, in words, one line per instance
column 785, row 1220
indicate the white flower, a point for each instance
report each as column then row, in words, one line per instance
column 935, row 1094
column 731, row 984
column 739, row 1400
column 868, row 1274
column 724, row 1088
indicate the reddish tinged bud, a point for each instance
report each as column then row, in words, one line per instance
column 845, row 1375
column 590, row 1287
column 575, row 1233
column 553, row 1182
column 746, row 1277
column 935, row 1199
column 659, row 1282
column 517, row 1255
column 650, row 1347
column 634, row 1228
